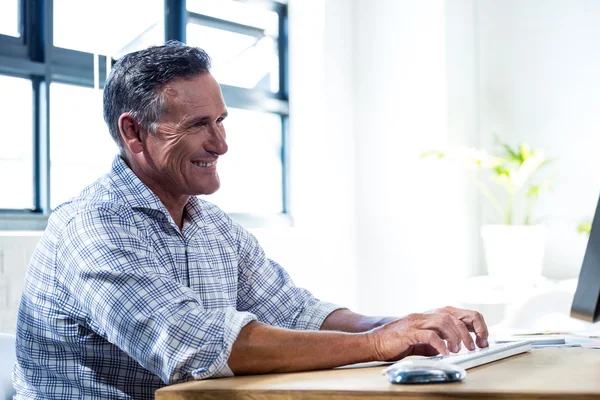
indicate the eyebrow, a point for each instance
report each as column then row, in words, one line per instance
column 205, row 118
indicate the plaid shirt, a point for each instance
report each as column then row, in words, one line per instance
column 119, row 302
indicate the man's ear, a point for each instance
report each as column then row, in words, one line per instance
column 131, row 133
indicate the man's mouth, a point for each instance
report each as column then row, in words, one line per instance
column 204, row 164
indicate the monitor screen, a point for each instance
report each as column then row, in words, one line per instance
column 587, row 296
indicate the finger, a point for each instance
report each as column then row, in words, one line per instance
column 476, row 323
column 481, row 330
column 433, row 339
column 446, row 328
column 464, row 334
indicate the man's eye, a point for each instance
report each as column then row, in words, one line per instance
column 220, row 120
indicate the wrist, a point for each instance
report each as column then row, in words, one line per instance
column 372, row 345
column 382, row 321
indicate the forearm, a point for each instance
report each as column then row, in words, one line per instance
column 261, row 348
column 348, row 321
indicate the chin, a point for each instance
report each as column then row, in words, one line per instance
column 206, row 189
column 206, row 192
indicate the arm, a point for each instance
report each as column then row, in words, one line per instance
column 266, row 290
column 348, row 321
column 260, row 348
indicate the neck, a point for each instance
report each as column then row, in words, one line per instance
column 174, row 204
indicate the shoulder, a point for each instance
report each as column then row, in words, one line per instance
column 99, row 200
column 212, row 215
column 94, row 212
column 221, row 223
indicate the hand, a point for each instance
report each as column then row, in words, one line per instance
column 417, row 334
column 467, row 321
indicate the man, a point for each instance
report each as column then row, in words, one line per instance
column 137, row 283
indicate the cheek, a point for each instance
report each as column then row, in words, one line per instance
column 155, row 147
column 168, row 150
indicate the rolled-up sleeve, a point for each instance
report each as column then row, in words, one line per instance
column 106, row 268
column 266, row 290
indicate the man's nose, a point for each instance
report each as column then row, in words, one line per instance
column 217, row 144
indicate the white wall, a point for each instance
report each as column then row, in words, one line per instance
column 319, row 248
column 462, row 72
column 539, row 66
column 413, row 242
column 16, row 249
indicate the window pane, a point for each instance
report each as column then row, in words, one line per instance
column 81, row 149
column 9, row 17
column 235, row 11
column 238, row 59
column 251, row 171
column 97, row 27
column 16, row 139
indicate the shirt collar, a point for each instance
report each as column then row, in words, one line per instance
column 138, row 195
column 132, row 190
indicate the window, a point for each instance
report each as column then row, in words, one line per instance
column 16, row 165
column 246, row 42
column 237, row 12
column 96, row 27
column 241, row 39
column 9, row 17
column 238, row 60
column 54, row 141
column 251, row 171
column 81, row 150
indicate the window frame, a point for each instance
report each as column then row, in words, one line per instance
column 33, row 56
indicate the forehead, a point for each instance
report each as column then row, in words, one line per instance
column 198, row 94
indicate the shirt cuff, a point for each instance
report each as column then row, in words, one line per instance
column 234, row 322
column 314, row 314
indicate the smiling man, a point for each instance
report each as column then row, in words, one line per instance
column 137, row 283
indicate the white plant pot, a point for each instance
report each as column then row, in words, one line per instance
column 514, row 252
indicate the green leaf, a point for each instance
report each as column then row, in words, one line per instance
column 513, row 170
column 501, row 170
column 585, row 228
column 534, row 191
column 525, row 151
column 527, row 169
column 513, row 156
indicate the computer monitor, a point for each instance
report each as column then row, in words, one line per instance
column 586, row 302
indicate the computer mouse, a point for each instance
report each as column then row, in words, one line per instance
column 424, row 371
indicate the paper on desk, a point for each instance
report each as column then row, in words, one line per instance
column 549, row 333
column 592, row 344
column 366, row 364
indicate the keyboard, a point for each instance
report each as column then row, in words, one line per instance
column 496, row 351
column 470, row 359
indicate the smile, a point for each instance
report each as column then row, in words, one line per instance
column 204, row 164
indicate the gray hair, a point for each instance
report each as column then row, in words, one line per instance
column 136, row 81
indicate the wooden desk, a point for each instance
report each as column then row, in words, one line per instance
column 555, row 373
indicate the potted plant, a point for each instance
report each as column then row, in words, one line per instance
column 514, row 244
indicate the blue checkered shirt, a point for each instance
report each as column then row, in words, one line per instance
column 119, row 302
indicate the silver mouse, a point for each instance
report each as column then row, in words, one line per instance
column 424, row 371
